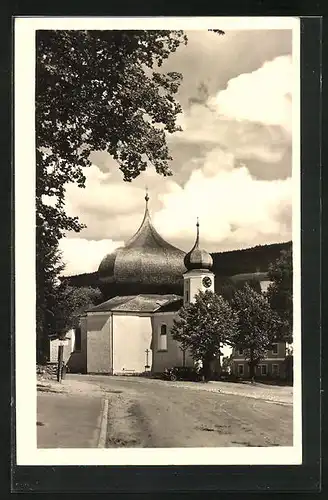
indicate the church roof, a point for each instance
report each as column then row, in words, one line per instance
column 142, row 303
column 147, row 263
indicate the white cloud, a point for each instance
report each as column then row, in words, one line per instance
column 251, row 117
column 249, row 120
column 233, row 207
column 261, row 96
column 235, row 210
column 84, row 256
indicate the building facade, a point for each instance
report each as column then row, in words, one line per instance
column 273, row 366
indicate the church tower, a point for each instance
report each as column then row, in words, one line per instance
column 199, row 276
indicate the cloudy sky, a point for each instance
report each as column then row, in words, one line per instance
column 232, row 162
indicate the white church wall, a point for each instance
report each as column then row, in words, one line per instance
column 99, row 352
column 173, row 355
column 132, row 336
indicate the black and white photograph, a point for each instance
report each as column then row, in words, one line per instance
column 157, row 191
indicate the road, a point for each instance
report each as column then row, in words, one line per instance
column 154, row 413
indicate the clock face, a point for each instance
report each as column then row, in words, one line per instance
column 207, row 282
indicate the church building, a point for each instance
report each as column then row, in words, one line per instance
column 142, row 282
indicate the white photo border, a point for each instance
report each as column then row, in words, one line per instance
column 27, row 452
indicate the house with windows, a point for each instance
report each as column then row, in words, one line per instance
column 272, row 366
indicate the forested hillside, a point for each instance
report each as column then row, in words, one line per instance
column 249, row 260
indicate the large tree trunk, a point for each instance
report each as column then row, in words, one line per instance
column 252, row 371
column 207, row 369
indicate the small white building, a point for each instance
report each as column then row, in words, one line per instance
column 69, row 347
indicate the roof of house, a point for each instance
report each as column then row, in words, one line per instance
column 142, row 303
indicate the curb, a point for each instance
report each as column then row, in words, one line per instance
column 103, row 426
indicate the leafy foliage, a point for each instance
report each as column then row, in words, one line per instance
column 227, row 287
column 70, row 304
column 227, row 363
column 204, row 325
column 259, row 325
column 48, row 266
column 280, row 291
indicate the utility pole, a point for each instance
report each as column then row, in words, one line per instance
column 147, row 351
column 60, row 361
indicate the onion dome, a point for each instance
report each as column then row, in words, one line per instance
column 198, row 258
column 146, row 264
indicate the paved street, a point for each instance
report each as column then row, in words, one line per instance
column 154, row 413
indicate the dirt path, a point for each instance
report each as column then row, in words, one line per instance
column 143, row 413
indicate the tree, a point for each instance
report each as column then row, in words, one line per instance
column 204, row 326
column 227, row 287
column 227, row 364
column 48, row 267
column 259, row 325
column 280, row 291
column 70, row 304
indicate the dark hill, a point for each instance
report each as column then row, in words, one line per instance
column 249, row 260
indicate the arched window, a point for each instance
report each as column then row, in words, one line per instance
column 162, row 341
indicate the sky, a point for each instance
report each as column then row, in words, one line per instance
column 231, row 163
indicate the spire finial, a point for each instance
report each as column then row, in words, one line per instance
column 147, row 197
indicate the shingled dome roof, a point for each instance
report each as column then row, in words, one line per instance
column 146, row 264
column 198, row 258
